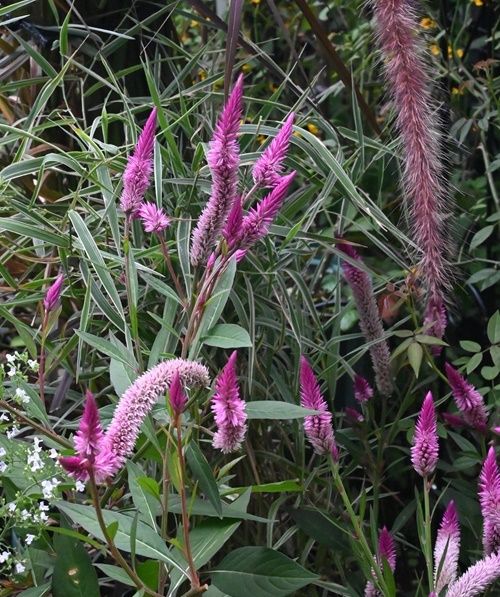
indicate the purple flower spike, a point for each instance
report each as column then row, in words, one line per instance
column 318, row 428
column 425, row 449
column 447, row 549
column 468, row 400
column 154, row 219
column 386, row 551
column 229, row 409
column 268, row 168
column 137, row 174
column 489, row 498
column 369, row 319
column 232, row 228
column 362, row 389
column 75, row 466
column 178, row 398
column 256, row 223
column 53, row 293
column 223, row 160
column 477, row 578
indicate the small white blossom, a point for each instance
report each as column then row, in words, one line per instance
column 2, row 451
column 48, row 487
column 22, row 395
column 12, row 371
column 29, row 539
column 43, row 507
column 12, row 432
column 42, row 517
column 11, row 506
column 33, row 365
column 11, row 358
column 25, row 514
column 4, row 556
column 53, row 453
column 3, row 466
column 20, row 567
column 4, row 417
column 79, row 486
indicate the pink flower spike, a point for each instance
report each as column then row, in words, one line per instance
column 268, row 168
column 468, row 400
column 178, row 398
column 362, row 389
column 489, row 498
column 89, row 437
column 233, row 225
column 386, row 548
column 425, row 449
column 136, row 177
column 318, row 428
column 229, row 409
column 369, row 318
column 453, row 420
column 477, row 578
column 256, row 223
column 353, row 415
column 154, row 219
column 223, row 160
column 53, row 293
column 447, row 549
column 75, row 466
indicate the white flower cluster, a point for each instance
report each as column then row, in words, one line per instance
column 18, row 363
column 9, row 560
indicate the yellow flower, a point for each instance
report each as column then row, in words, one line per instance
column 450, row 51
column 434, row 48
column 478, row 2
column 202, row 74
column 194, row 24
column 296, row 134
column 312, row 128
column 246, row 68
column 459, row 53
column 427, row 23
column 256, row 2
column 261, row 139
column 457, row 90
column 272, row 87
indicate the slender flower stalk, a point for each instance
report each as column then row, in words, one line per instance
column 489, row 498
column 136, row 177
column 477, row 578
column 154, row 218
column 229, row 409
column 425, row 449
column 363, row 392
column 386, row 552
column 409, row 82
column 447, row 549
column 318, row 428
column 223, row 160
column 468, row 400
column 268, row 168
column 369, row 319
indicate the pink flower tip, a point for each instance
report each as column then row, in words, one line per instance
column 362, row 389
column 154, row 218
column 468, row 400
column 425, row 449
column 269, row 167
column 178, row 398
column 386, row 548
column 53, row 293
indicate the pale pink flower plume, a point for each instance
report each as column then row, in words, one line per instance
column 256, row 223
column 154, row 218
column 268, row 168
column 139, row 399
column 489, row 498
column 409, row 82
column 386, row 552
column 477, row 578
column 223, row 160
column 425, row 449
column 362, row 389
column 89, row 443
column 318, row 428
column 468, row 400
column 53, row 293
column 137, row 175
column 369, row 318
column 229, row 409
column 447, row 549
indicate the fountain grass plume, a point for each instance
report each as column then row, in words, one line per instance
column 369, row 318
column 409, row 82
column 223, row 161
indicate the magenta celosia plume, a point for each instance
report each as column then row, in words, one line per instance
column 468, row 400
column 178, row 398
column 154, row 218
column 223, row 160
column 386, row 551
column 229, row 409
column 255, row 225
column 425, row 449
column 53, row 293
column 232, row 228
column 447, row 549
column 318, row 428
column 403, row 52
column 137, row 175
column 362, row 389
column 477, row 578
column 369, row 318
column 268, row 168
column 489, row 498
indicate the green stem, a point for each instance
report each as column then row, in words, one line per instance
column 41, row 363
column 133, row 321
column 428, row 536
column 164, row 510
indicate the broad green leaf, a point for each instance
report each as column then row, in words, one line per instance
column 474, row 362
column 260, row 572
column 272, row 409
column 148, row 506
column 116, row 573
column 147, row 542
column 481, row 236
column 228, row 335
column 203, row 474
column 201, row 507
column 415, row 355
column 276, row 487
column 107, row 348
column 40, row 591
column 494, row 328
column 74, row 575
column 470, row 346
